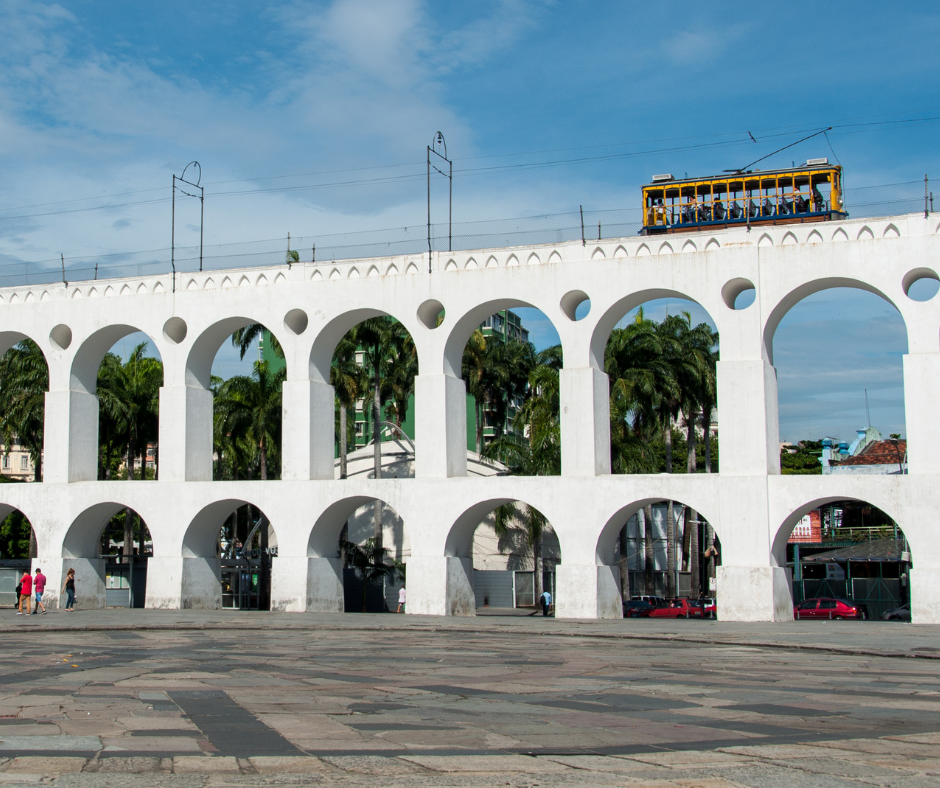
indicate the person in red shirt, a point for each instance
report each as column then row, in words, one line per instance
column 26, row 592
column 39, row 585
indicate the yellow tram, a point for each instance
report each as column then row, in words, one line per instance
column 810, row 193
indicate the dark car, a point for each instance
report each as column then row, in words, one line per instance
column 902, row 613
column 828, row 608
column 637, row 608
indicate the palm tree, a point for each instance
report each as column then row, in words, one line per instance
column 533, row 524
column 369, row 559
column 252, row 406
column 25, row 380
column 348, row 381
column 473, row 370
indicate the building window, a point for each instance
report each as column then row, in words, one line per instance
column 6, row 462
column 360, row 428
column 24, row 462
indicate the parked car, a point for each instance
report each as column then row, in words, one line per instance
column 902, row 613
column 637, row 608
column 709, row 607
column 678, row 608
column 655, row 601
column 828, row 608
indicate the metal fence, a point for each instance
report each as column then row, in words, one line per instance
column 862, row 202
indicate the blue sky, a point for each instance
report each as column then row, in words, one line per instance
column 101, row 102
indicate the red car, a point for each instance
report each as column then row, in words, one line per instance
column 677, row 608
column 827, row 608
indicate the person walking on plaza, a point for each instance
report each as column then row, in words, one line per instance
column 26, row 592
column 402, row 596
column 39, row 585
column 69, row 590
column 546, row 600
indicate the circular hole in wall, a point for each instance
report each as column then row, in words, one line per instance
column 921, row 284
column 431, row 313
column 175, row 329
column 296, row 321
column 61, row 336
column 739, row 293
column 575, row 304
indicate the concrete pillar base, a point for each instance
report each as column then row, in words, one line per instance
column 754, row 593
column 289, row 584
column 324, row 593
column 587, row 591
column 89, row 582
column 440, row 586
column 202, row 584
column 925, row 591
column 164, row 583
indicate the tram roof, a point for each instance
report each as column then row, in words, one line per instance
column 746, row 175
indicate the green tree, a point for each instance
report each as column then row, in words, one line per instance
column 803, row 461
column 24, row 378
column 348, row 381
column 369, row 560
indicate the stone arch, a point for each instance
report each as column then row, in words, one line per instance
column 209, row 285
column 321, row 354
column 81, row 550
column 280, row 278
column 464, row 326
column 142, row 288
column 665, row 248
column 533, row 259
column 392, row 270
column 620, row 252
column 261, row 281
column 411, row 269
column 554, row 257
column 643, row 251
column 814, row 237
column 615, row 312
column 470, row 265
column 202, row 556
column 806, row 289
column 451, row 265
column 87, row 360
column 689, row 246
column 765, row 240
column 244, row 281
column 840, row 235
column 10, row 338
column 316, row 275
column 207, row 344
column 511, row 261
column 492, row 262
column 192, row 285
column 865, row 234
column 373, row 271
column 353, row 273
column 335, row 274
column 598, row 254
column 325, row 591
column 6, row 509
column 891, row 231
column 712, row 245
column 789, row 239
column 458, row 550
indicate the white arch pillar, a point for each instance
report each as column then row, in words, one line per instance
column 440, row 426
column 585, row 422
column 921, row 383
column 185, row 443
column 308, row 430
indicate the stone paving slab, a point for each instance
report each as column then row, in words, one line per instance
column 366, row 700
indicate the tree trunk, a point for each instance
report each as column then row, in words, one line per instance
column 377, row 444
column 342, row 441
column 706, row 426
column 670, row 516
column 624, row 565
column 649, row 556
column 670, row 550
column 691, row 526
column 537, row 569
column 479, row 410
column 33, row 544
column 685, row 558
column 128, row 548
column 709, row 542
column 264, row 461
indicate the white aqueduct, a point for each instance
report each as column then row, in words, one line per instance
column 310, row 306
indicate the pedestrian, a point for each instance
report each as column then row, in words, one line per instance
column 69, row 590
column 546, row 600
column 26, row 592
column 401, row 599
column 39, row 585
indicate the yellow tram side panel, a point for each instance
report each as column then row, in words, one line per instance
column 798, row 194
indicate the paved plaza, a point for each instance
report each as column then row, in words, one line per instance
column 186, row 698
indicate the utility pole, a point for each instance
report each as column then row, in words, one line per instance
column 437, row 145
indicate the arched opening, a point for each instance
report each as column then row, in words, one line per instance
column 660, row 355
column 508, row 552
column 661, row 550
column 848, row 559
column 229, row 551
column 350, row 569
column 838, row 356
column 108, row 546
column 510, row 363
column 130, row 375
column 239, row 368
column 24, row 381
column 366, row 362
column 17, row 549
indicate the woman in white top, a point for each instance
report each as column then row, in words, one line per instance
column 401, row 599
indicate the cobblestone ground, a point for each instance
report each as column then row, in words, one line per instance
column 139, row 699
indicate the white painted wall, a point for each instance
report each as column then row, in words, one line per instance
column 750, row 505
